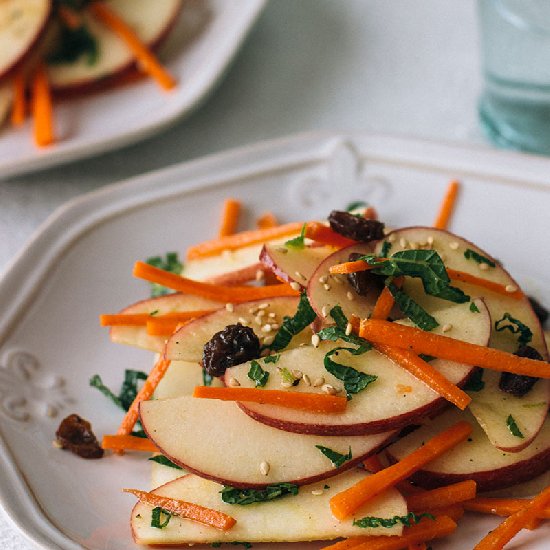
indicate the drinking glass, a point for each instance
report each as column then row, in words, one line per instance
column 514, row 109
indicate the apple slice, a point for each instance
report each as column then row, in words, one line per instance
column 138, row 337
column 295, row 518
column 22, row 24
column 293, row 264
column 326, row 291
column 490, row 406
column 188, row 342
column 151, row 20
column 393, row 401
column 6, row 98
column 476, row 458
column 216, row 440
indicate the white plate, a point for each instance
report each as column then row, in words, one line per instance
column 79, row 265
column 199, row 49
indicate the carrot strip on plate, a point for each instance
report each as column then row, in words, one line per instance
column 142, row 319
column 189, row 510
column 505, row 290
column 345, row 503
column 233, row 294
column 419, row 341
column 128, row 443
column 442, row 496
column 323, row 234
column 267, row 220
column 351, row 267
column 501, row 506
column 242, row 239
column 230, row 217
column 145, row 57
column 19, row 105
column 42, row 108
column 306, row 401
column 447, row 206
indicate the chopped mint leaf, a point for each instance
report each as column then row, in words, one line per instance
column 96, row 382
column 410, row 519
column 160, row 517
column 513, row 427
column 337, row 459
column 272, row 358
column 161, row 459
column 426, row 358
column 170, row 263
column 417, row 314
column 206, row 378
column 257, row 374
column 470, row 254
column 473, row 307
column 386, row 247
column 354, row 380
column 298, row 242
column 356, row 205
column 243, row 497
column 475, row 382
column 326, row 487
column 291, row 326
column 515, row 327
column 128, row 390
column 72, row 44
column 338, row 332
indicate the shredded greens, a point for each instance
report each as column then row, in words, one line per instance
column 470, row 254
column 233, row 495
column 337, row 459
column 513, row 427
column 161, row 459
column 410, row 519
column 291, row 326
column 298, row 242
column 417, row 314
column 170, row 263
column 257, row 374
column 160, row 517
column 515, row 327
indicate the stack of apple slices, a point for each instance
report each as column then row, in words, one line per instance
column 250, row 446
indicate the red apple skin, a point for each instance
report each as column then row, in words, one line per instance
column 268, row 263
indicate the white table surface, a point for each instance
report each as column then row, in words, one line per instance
column 407, row 67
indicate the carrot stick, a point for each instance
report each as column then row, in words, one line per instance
column 266, row 221
column 323, row 234
column 242, row 239
column 464, row 277
column 230, row 217
column 384, row 303
column 501, row 506
column 145, row 57
column 42, row 108
column 454, row 511
column 351, row 267
column 312, row 402
column 500, row 536
column 233, row 294
column 145, row 393
column 142, row 319
column 345, row 503
column 189, row 510
column 447, row 206
column 128, row 443
column 419, row 341
column 442, row 496
column 165, row 327
column 19, row 106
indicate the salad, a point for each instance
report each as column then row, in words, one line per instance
column 333, row 379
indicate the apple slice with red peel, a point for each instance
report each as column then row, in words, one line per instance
column 490, row 406
column 475, row 458
column 326, row 291
column 294, row 518
column 393, row 401
column 138, row 337
column 217, row 441
column 188, row 342
column 294, row 264
column 22, row 24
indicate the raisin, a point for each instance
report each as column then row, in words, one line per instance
column 76, row 435
column 354, row 227
column 233, row 345
column 364, row 282
column 520, row 384
column 540, row 311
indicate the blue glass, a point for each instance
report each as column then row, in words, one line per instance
column 514, row 109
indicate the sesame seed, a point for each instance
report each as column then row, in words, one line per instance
column 318, row 382
column 511, row 288
column 266, row 328
column 349, row 328
column 258, row 320
column 274, row 326
column 317, row 492
column 391, row 238
column 261, row 313
column 326, row 286
column 324, row 311
column 260, row 275
column 297, row 374
column 230, row 308
column 349, row 296
column 272, row 315
column 430, row 240
column 286, row 384
column 295, row 286
column 300, row 275
column 454, row 245
column 323, row 279
column 447, row 327
column 265, row 305
column 264, row 468
column 403, row 242
column 233, row 382
column 330, row 390
column 306, row 379
column 315, row 340
column 268, row 339
column 483, row 267
column 282, row 250
column 253, row 310
column 243, row 321
column 56, row 444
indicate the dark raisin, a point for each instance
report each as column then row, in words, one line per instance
column 364, row 282
column 519, row 384
column 233, row 345
column 354, row 227
column 76, row 435
column 540, row 311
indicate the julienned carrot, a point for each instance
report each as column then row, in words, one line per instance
column 42, row 108
column 351, row 267
column 426, row 530
column 230, row 217
column 424, row 372
column 453, row 511
column 447, row 206
column 385, row 302
column 500, row 536
column 19, row 105
column 442, row 496
column 345, row 503
column 144, row 56
column 189, row 510
column 312, row 402
column 419, row 341
column 145, row 393
column 141, row 319
column 501, row 506
column 242, row 239
column 323, row 234
column 267, row 220
column 464, row 277
column 165, row 327
column 233, row 294
column 128, row 443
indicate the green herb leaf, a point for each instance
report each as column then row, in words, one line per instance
column 206, row 378
column 160, row 517
column 417, row 314
column 298, row 242
column 338, row 332
column 96, row 382
column 513, row 427
column 170, row 263
column 128, row 390
column 426, row 357
column 287, row 377
column 337, row 459
column 475, row 382
column 161, row 459
column 354, row 380
column 470, row 254
column 410, row 519
column 385, row 250
column 243, row 497
column 74, row 44
column 355, row 205
column 272, row 358
column 291, row 326
column 474, row 308
column 257, row 374
column 515, row 327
